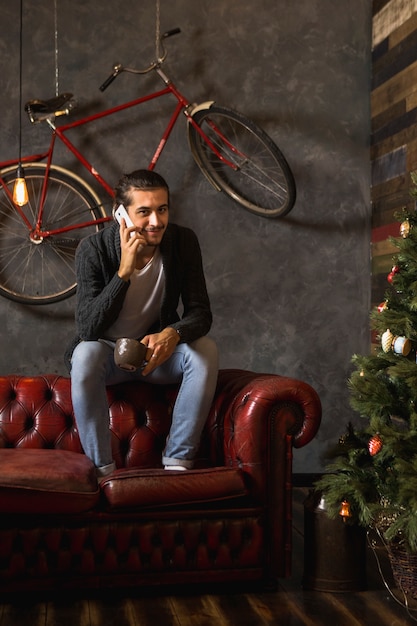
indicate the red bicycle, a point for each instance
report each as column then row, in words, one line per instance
column 38, row 241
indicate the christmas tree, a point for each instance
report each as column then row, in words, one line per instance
column 371, row 475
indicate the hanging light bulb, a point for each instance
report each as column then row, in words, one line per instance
column 20, row 191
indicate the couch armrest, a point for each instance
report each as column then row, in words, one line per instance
column 255, row 422
column 257, row 418
column 245, row 400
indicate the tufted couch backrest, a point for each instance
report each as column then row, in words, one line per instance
column 252, row 417
column 37, row 413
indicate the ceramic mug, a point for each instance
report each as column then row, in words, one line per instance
column 129, row 354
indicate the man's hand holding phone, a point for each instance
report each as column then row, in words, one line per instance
column 120, row 214
column 130, row 246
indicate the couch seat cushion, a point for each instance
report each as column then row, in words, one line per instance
column 157, row 487
column 46, row 481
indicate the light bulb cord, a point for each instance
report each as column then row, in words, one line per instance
column 20, row 79
column 20, row 193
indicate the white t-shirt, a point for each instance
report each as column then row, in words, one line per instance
column 142, row 304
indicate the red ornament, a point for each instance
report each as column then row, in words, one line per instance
column 392, row 273
column 383, row 306
column 375, row 445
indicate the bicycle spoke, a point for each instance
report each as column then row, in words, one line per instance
column 260, row 180
column 38, row 267
column 259, row 174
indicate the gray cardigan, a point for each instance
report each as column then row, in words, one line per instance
column 101, row 292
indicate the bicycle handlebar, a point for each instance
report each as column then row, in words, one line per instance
column 118, row 68
column 116, row 71
column 169, row 33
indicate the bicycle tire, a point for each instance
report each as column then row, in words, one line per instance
column 43, row 272
column 262, row 182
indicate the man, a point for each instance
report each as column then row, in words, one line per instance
column 130, row 283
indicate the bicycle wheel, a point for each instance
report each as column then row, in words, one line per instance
column 261, row 180
column 41, row 270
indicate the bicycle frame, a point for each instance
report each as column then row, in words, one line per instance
column 183, row 105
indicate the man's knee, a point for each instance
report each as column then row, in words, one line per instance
column 88, row 359
column 206, row 348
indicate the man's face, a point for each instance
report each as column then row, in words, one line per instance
column 148, row 210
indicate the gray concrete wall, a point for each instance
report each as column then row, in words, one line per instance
column 289, row 296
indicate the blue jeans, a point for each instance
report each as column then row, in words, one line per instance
column 194, row 366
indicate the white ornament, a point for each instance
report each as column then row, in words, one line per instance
column 386, row 340
column 401, row 345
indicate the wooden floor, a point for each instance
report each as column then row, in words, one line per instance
column 290, row 605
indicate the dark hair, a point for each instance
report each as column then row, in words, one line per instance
column 139, row 179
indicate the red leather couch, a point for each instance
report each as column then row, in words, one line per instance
column 229, row 519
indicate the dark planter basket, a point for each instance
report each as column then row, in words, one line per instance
column 404, row 568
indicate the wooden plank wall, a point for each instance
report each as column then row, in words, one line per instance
column 393, row 124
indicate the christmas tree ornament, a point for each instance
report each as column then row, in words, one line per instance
column 401, row 345
column 383, row 306
column 395, row 269
column 386, row 340
column 349, row 438
column 345, row 510
column 405, row 228
column 375, row 445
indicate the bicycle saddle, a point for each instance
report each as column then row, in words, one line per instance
column 52, row 106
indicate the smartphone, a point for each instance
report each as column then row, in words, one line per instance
column 121, row 212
